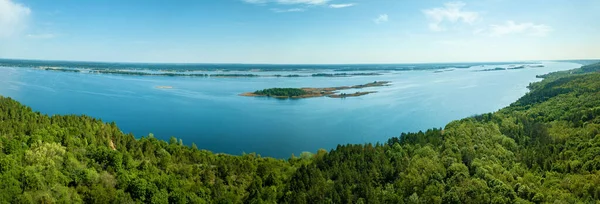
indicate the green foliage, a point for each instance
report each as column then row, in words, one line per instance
column 281, row 92
column 544, row 148
column 588, row 68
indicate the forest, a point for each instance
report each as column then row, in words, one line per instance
column 543, row 148
column 281, row 92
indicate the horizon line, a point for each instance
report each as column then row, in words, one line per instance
column 242, row 63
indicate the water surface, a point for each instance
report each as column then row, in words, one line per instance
column 209, row 112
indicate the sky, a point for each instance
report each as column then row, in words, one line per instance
column 299, row 31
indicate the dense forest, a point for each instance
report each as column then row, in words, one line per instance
column 544, row 148
column 282, row 92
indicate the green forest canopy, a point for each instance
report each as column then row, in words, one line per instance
column 281, row 92
column 545, row 147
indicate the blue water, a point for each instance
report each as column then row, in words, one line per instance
column 209, row 112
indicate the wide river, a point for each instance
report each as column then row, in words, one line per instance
column 209, row 112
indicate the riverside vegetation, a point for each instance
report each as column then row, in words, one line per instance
column 543, row 148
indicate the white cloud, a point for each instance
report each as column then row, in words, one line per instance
column 305, row 2
column 13, row 17
column 451, row 12
column 276, row 10
column 340, row 5
column 510, row 27
column 381, row 19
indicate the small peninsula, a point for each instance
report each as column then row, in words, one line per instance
column 331, row 92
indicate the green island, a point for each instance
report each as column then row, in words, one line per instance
column 443, row 70
column 517, row 67
column 344, row 74
column 490, row 70
column 59, row 69
column 234, row 75
column 543, row 148
column 510, row 68
column 288, row 75
column 284, row 93
column 171, row 74
column 139, row 73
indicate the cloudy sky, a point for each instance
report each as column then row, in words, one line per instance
column 299, row 31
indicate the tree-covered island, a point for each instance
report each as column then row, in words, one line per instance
column 315, row 92
column 58, row 69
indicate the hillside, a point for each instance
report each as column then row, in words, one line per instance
column 544, row 148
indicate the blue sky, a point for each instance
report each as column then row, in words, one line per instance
column 299, row 31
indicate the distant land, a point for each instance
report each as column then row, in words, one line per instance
column 511, row 67
column 205, row 70
column 183, row 67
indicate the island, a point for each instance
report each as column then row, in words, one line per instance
column 332, row 92
column 235, row 75
column 289, row 75
column 344, row 74
column 518, row 67
column 164, row 87
column 58, row 69
column 490, row 70
column 142, row 73
column 443, row 70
